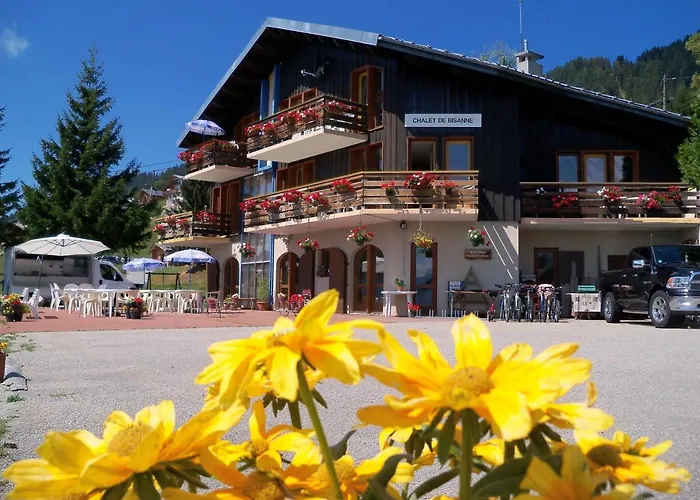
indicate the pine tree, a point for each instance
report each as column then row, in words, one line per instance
column 689, row 151
column 80, row 188
column 195, row 196
column 9, row 198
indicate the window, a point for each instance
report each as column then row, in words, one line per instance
column 257, row 185
column 424, row 278
column 458, row 154
column 252, row 271
column 239, row 129
column 367, row 87
column 108, row 273
column 421, row 154
column 546, row 265
column 367, row 158
column 597, row 166
column 297, row 99
column 296, row 175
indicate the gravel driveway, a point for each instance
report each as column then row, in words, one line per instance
column 647, row 378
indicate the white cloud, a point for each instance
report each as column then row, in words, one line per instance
column 12, row 43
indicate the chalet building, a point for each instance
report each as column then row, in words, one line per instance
column 407, row 139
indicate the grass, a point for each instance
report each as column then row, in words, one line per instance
column 11, row 339
column 15, row 399
column 29, row 345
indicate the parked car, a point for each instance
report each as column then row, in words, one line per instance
column 659, row 281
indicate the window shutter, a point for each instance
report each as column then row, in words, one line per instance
column 216, row 199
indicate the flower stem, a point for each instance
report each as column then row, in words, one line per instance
column 307, row 398
column 465, row 472
column 294, row 413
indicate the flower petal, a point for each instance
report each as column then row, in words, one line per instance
column 282, row 370
column 574, row 469
column 115, row 422
column 472, row 342
column 384, row 415
column 335, row 360
column 70, row 450
column 257, row 421
column 541, row 478
column 161, row 414
column 37, row 479
column 220, row 461
column 508, row 413
column 146, row 454
column 320, row 309
column 268, row 460
column 428, row 351
column 106, row 470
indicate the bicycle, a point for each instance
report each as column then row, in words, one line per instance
column 550, row 305
column 529, row 291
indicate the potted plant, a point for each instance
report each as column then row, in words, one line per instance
column 263, row 293
column 249, row 206
column 477, row 237
column 651, row 203
column 424, row 243
column 342, row 186
column 160, row 229
column 317, row 199
column 566, row 200
column 413, row 310
column 360, row 235
column 674, row 195
column 399, row 284
column 247, row 250
column 419, row 181
column 13, row 308
column 133, row 307
column 450, row 188
column 612, row 195
column 271, row 206
column 389, row 189
column 292, row 196
column 308, row 244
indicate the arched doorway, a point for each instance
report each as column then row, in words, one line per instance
column 231, row 277
column 307, row 273
column 368, row 279
column 213, row 277
column 333, row 265
column 288, row 274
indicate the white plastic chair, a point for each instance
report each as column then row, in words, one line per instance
column 189, row 302
column 33, row 304
column 90, row 303
column 25, row 294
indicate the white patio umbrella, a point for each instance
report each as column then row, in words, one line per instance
column 62, row 245
column 143, row 264
column 190, row 256
column 204, row 127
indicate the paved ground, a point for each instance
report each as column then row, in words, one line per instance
column 647, row 378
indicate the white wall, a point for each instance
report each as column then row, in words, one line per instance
column 395, row 245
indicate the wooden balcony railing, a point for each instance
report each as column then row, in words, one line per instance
column 370, row 190
column 325, row 111
column 621, row 200
column 197, row 224
column 216, row 152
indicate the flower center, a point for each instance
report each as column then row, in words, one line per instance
column 257, row 447
column 274, row 341
column 127, row 440
column 258, row 486
column 345, row 471
column 605, row 455
column 464, row 385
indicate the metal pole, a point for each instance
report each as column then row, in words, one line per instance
column 520, row 8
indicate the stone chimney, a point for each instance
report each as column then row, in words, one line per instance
column 527, row 61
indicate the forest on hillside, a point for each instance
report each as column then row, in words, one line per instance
column 640, row 80
column 157, row 179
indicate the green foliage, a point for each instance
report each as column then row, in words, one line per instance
column 499, row 53
column 263, row 290
column 689, row 151
column 157, row 180
column 9, row 199
column 196, row 196
column 80, row 188
column 638, row 80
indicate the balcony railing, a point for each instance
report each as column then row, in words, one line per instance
column 194, row 228
column 318, row 126
column 449, row 193
column 217, row 161
column 617, row 201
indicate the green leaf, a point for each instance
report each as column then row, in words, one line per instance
column 377, row 485
column 433, row 483
column 318, row 398
column 446, row 438
column 433, row 423
column 167, row 480
column 117, row 492
column 190, row 477
column 549, row 432
column 505, row 480
column 281, row 404
column 274, row 407
column 643, row 496
column 410, row 445
column 145, row 489
column 539, row 446
column 269, row 398
column 418, row 446
column 341, row 447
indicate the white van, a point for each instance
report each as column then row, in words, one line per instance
column 22, row 271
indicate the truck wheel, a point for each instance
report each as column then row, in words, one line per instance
column 660, row 311
column 611, row 311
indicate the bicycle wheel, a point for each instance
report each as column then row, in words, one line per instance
column 530, row 309
column 557, row 311
column 518, row 309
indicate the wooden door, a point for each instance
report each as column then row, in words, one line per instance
column 288, row 274
column 306, row 272
column 232, row 200
column 368, row 275
column 216, row 206
column 424, row 271
column 231, row 277
column 213, row 277
column 338, row 276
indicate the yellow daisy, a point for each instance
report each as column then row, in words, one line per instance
column 616, row 460
column 328, row 348
column 576, row 415
column 574, row 483
column 503, row 390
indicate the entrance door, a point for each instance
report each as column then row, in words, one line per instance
column 424, row 278
column 306, row 272
column 570, row 268
column 231, row 277
column 213, row 277
column 338, row 275
column 287, row 274
column 368, row 274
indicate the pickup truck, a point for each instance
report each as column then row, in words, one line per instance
column 659, row 281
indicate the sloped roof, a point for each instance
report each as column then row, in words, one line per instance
column 436, row 54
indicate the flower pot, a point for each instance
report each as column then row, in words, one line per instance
column 136, row 313
column 400, row 288
column 262, row 306
column 14, row 316
column 127, row 314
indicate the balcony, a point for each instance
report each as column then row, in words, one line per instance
column 316, row 127
column 217, row 161
column 556, row 203
column 200, row 229
column 367, row 198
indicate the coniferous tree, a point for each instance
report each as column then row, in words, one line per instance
column 9, row 199
column 196, row 195
column 80, row 188
column 689, row 151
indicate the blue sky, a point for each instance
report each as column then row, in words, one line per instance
column 162, row 62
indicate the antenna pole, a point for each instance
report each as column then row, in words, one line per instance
column 520, row 8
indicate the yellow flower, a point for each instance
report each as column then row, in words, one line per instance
column 576, row 415
column 328, row 348
column 575, row 482
column 57, row 473
column 493, row 451
column 621, row 462
column 263, row 448
column 503, row 390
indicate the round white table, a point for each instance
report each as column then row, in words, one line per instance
column 389, row 298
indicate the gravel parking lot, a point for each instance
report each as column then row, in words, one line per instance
column 647, row 378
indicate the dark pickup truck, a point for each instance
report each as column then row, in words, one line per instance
column 660, row 281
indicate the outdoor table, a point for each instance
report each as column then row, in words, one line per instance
column 389, row 299
column 111, row 295
column 473, row 296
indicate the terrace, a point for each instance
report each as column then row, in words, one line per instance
column 367, row 197
column 200, row 229
column 217, row 161
column 615, row 202
column 318, row 126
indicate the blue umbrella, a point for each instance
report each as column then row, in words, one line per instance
column 205, row 127
column 143, row 264
column 190, row 257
